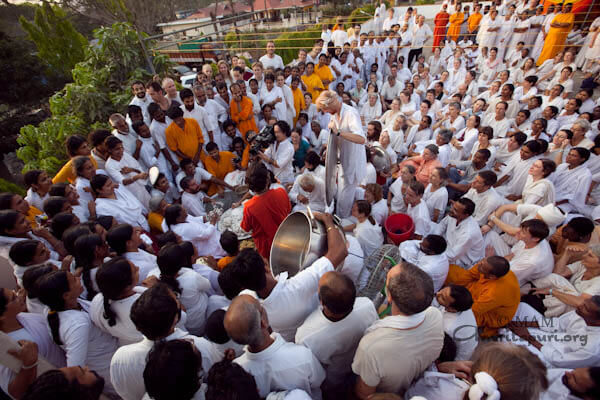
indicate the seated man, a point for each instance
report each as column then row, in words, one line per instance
column 485, row 197
column 513, row 177
column 531, row 257
column 414, row 333
column 218, row 164
column 575, row 336
column 275, row 363
column 495, row 291
column 565, row 383
column 459, row 321
column 463, row 173
column 570, row 242
column 333, row 331
column 193, row 198
column 429, row 255
column 462, row 233
column 308, row 190
column 288, row 301
column 572, row 180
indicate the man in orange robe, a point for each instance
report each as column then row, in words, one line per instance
column 495, row 291
column 440, row 21
column 241, row 111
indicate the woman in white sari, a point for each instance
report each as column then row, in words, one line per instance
column 273, row 95
column 366, row 230
column 539, row 190
column 490, row 68
column 118, row 202
column 389, row 116
column 371, row 110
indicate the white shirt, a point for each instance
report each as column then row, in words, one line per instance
column 379, row 211
column 124, row 329
column 531, row 264
column 193, row 297
column 128, row 363
column 199, row 114
column 485, row 203
column 436, row 265
column 420, row 217
column 465, row 242
column 274, row 62
column 83, row 342
column 138, row 187
column 145, row 261
column 203, row 235
column 128, row 139
column 126, row 208
column 283, row 154
column 369, row 236
column 34, row 199
column 339, row 37
column 420, row 34
column 194, row 203
column 334, row 343
column 284, row 365
column 293, row 299
column 437, row 200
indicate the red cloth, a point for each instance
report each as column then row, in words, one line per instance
column 439, row 32
column 263, row 214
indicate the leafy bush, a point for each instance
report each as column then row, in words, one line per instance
column 100, row 87
column 295, row 40
column 6, row 186
column 422, row 2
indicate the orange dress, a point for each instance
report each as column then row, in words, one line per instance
column 185, row 140
column 223, row 262
column 243, row 116
column 456, row 20
column 495, row 301
column 67, row 174
column 556, row 38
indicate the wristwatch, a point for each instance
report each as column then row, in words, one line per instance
column 338, row 133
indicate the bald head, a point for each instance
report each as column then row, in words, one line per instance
column 243, row 320
column 337, row 294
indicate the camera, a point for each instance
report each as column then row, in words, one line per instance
column 264, row 139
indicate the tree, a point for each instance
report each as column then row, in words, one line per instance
column 58, row 43
column 100, row 87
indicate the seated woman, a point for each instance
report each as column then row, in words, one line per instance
column 379, row 209
column 110, row 308
column 436, row 194
column 301, row 147
column 204, row 236
column 13, row 201
column 175, row 269
column 67, row 191
column 71, row 327
column 30, row 278
column 77, row 145
column 126, row 170
column 90, row 252
column 30, row 331
column 568, row 286
column 539, row 190
column 127, row 241
column 425, row 163
column 118, row 202
column 85, row 171
column 27, row 254
column 366, row 230
column 397, row 189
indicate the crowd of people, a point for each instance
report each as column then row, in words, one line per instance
column 141, row 269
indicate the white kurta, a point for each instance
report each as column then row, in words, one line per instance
column 465, row 243
column 282, row 366
column 517, row 169
column 204, row 236
column 540, row 192
column 531, row 264
column 283, row 154
column 124, row 329
column 370, row 236
column 126, row 208
column 334, row 343
column 145, row 261
column 437, row 200
column 436, row 266
column 138, row 188
column 421, row 218
column 572, row 185
column 485, row 203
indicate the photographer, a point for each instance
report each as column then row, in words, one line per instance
column 279, row 156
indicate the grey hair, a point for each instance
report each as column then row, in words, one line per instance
column 114, row 118
column 583, row 123
column 154, row 203
column 446, row 134
column 251, row 318
column 455, row 105
column 307, row 180
column 411, row 289
column 326, row 98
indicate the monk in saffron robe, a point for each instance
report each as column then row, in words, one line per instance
column 495, row 291
column 456, row 21
column 440, row 22
column 557, row 35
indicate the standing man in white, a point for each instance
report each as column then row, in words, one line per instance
column 271, row 60
column 346, row 125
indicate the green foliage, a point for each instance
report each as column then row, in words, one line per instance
column 58, row 43
column 304, row 39
column 422, row 2
column 6, row 186
column 100, row 87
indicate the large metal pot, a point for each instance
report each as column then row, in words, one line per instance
column 300, row 240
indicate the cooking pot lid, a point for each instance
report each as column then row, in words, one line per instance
column 380, row 159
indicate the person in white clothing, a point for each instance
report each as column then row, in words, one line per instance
column 485, row 197
column 39, row 184
column 204, row 235
column 366, row 229
column 70, row 325
column 345, row 123
column 118, row 202
column 156, row 314
column 459, row 321
column 126, row 240
column 123, row 131
column 308, row 190
column 462, row 233
column 279, row 156
column 271, row 60
column 110, row 308
column 332, row 332
column 175, row 269
column 379, row 208
column 417, row 209
column 288, row 300
column 572, row 181
column 126, row 170
column 140, row 99
column 275, row 363
column 429, row 255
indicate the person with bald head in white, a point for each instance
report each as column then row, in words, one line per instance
column 274, row 363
